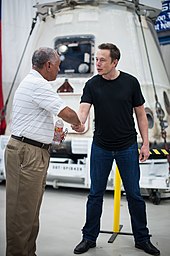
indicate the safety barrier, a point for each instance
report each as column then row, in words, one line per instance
column 161, row 151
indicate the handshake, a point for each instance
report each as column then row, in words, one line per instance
column 78, row 128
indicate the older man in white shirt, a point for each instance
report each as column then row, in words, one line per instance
column 27, row 156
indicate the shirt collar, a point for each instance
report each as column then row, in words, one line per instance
column 35, row 73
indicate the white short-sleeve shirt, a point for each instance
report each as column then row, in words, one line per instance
column 34, row 106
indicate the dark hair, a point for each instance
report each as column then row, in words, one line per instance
column 42, row 55
column 114, row 51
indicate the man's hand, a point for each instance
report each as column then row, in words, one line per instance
column 144, row 153
column 78, row 128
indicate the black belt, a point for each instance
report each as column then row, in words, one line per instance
column 31, row 142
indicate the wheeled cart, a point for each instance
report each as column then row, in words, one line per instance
column 155, row 179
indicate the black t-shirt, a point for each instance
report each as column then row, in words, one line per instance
column 113, row 102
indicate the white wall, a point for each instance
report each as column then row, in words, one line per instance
column 16, row 23
column 154, row 3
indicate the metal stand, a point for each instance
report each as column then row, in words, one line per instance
column 115, row 234
column 117, row 198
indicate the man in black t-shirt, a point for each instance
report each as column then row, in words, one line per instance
column 115, row 95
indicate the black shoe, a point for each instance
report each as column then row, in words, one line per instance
column 84, row 246
column 147, row 247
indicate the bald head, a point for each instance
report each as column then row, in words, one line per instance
column 46, row 61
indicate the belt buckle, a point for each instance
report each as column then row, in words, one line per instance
column 22, row 139
column 42, row 146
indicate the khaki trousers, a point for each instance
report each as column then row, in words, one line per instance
column 26, row 168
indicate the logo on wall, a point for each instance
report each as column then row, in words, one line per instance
column 163, row 20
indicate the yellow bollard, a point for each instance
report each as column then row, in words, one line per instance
column 117, row 197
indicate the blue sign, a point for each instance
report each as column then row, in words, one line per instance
column 163, row 20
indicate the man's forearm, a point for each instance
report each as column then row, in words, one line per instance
column 69, row 116
column 143, row 128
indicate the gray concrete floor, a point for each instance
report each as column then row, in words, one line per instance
column 62, row 217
